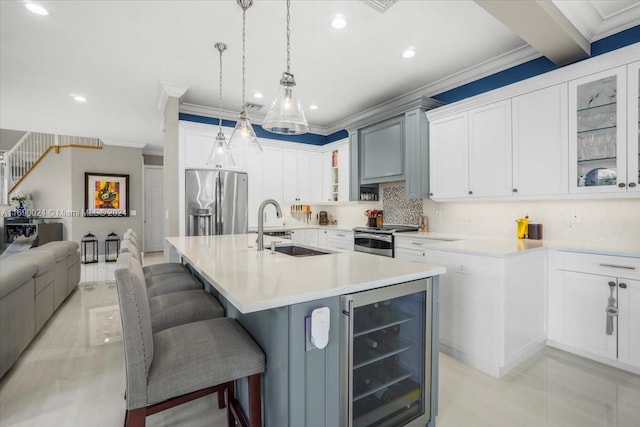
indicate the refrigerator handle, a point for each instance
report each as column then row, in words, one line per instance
column 218, row 213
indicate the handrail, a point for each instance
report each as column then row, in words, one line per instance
column 53, row 147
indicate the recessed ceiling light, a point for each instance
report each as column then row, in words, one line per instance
column 339, row 22
column 258, row 95
column 37, row 9
column 78, row 98
column 313, row 107
column 409, row 53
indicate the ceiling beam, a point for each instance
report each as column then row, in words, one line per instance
column 541, row 24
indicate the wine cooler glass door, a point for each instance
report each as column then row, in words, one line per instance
column 389, row 352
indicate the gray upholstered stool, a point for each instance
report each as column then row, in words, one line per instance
column 183, row 363
column 151, row 270
column 162, row 283
column 176, row 308
column 129, row 245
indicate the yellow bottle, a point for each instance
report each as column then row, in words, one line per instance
column 523, row 225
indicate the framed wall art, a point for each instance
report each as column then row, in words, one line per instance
column 106, row 194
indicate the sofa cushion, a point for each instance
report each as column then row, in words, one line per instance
column 44, row 261
column 14, row 272
column 73, row 258
column 60, row 249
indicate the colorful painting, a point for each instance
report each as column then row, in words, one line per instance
column 106, row 194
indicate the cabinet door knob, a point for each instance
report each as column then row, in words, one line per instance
column 431, row 194
column 623, row 285
column 632, row 184
column 622, row 185
column 515, row 190
column 470, row 192
column 612, row 284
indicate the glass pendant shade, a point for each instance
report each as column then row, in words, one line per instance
column 220, row 155
column 243, row 135
column 286, row 116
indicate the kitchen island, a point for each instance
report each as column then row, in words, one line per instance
column 273, row 295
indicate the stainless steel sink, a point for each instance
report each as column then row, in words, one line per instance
column 295, row 250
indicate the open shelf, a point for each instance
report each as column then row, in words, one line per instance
column 598, row 107
column 384, row 376
column 371, row 411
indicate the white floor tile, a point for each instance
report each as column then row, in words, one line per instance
column 72, row 374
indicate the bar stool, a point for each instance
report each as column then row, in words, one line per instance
column 162, row 283
column 176, row 308
column 162, row 268
column 183, row 363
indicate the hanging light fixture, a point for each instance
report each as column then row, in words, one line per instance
column 243, row 134
column 285, row 115
column 220, row 155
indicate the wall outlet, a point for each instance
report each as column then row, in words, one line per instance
column 576, row 217
column 133, row 212
column 462, row 269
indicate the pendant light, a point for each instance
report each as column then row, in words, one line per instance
column 220, row 155
column 286, row 115
column 244, row 135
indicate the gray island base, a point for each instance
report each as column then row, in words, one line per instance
column 273, row 297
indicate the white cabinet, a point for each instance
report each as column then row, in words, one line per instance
column 323, row 237
column 540, row 142
column 307, row 236
column 302, row 176
column 633, row 130
column 629, row 321
column 490, row 150
column 470, row 153
column 492, row 310
column 580, row 286
column 598, row 133
column 265, row 172
column 449, row 157
column 335, row 174
column 343, row 174
column 340, row 239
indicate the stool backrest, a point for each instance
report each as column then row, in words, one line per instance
column 128, row 247
column 136, row 328
column 130, row 235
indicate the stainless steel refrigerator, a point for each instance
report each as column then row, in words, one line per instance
column 216, row 202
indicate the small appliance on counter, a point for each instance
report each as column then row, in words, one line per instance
column 323, row 218
column 375, row 218
column 534, row 231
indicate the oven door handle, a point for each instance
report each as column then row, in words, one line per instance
column 383, row 238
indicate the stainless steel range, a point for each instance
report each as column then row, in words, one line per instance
column 378, row 240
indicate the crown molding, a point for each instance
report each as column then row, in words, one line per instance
column 500, row 63
column 166, row 90
column 562, row 75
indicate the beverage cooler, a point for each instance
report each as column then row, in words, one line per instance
column 389, row 374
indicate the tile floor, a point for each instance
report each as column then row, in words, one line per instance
column 72, row 374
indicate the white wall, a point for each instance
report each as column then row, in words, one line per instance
column 603, row 220
column 111, row 159
column 49, row 185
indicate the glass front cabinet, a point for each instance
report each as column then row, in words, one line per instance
column 603, row 131
column 633, row 127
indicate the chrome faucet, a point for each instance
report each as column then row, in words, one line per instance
column 261, row 220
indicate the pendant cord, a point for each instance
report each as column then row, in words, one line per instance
column 288, row 37
column 220, row 97
column 244, row 11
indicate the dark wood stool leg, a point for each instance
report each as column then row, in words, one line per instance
column 255, row 401
column 136, row 417
column 231, row 395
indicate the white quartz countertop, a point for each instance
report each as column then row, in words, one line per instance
column 503, row 247
column 303, row 227
column 258, row 280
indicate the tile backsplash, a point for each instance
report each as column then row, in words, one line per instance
column 398, row 209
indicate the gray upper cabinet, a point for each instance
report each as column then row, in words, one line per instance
column 416, row 130
column 391, row 145
column 382, row 152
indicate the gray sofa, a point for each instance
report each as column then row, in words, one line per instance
column 33, row 284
